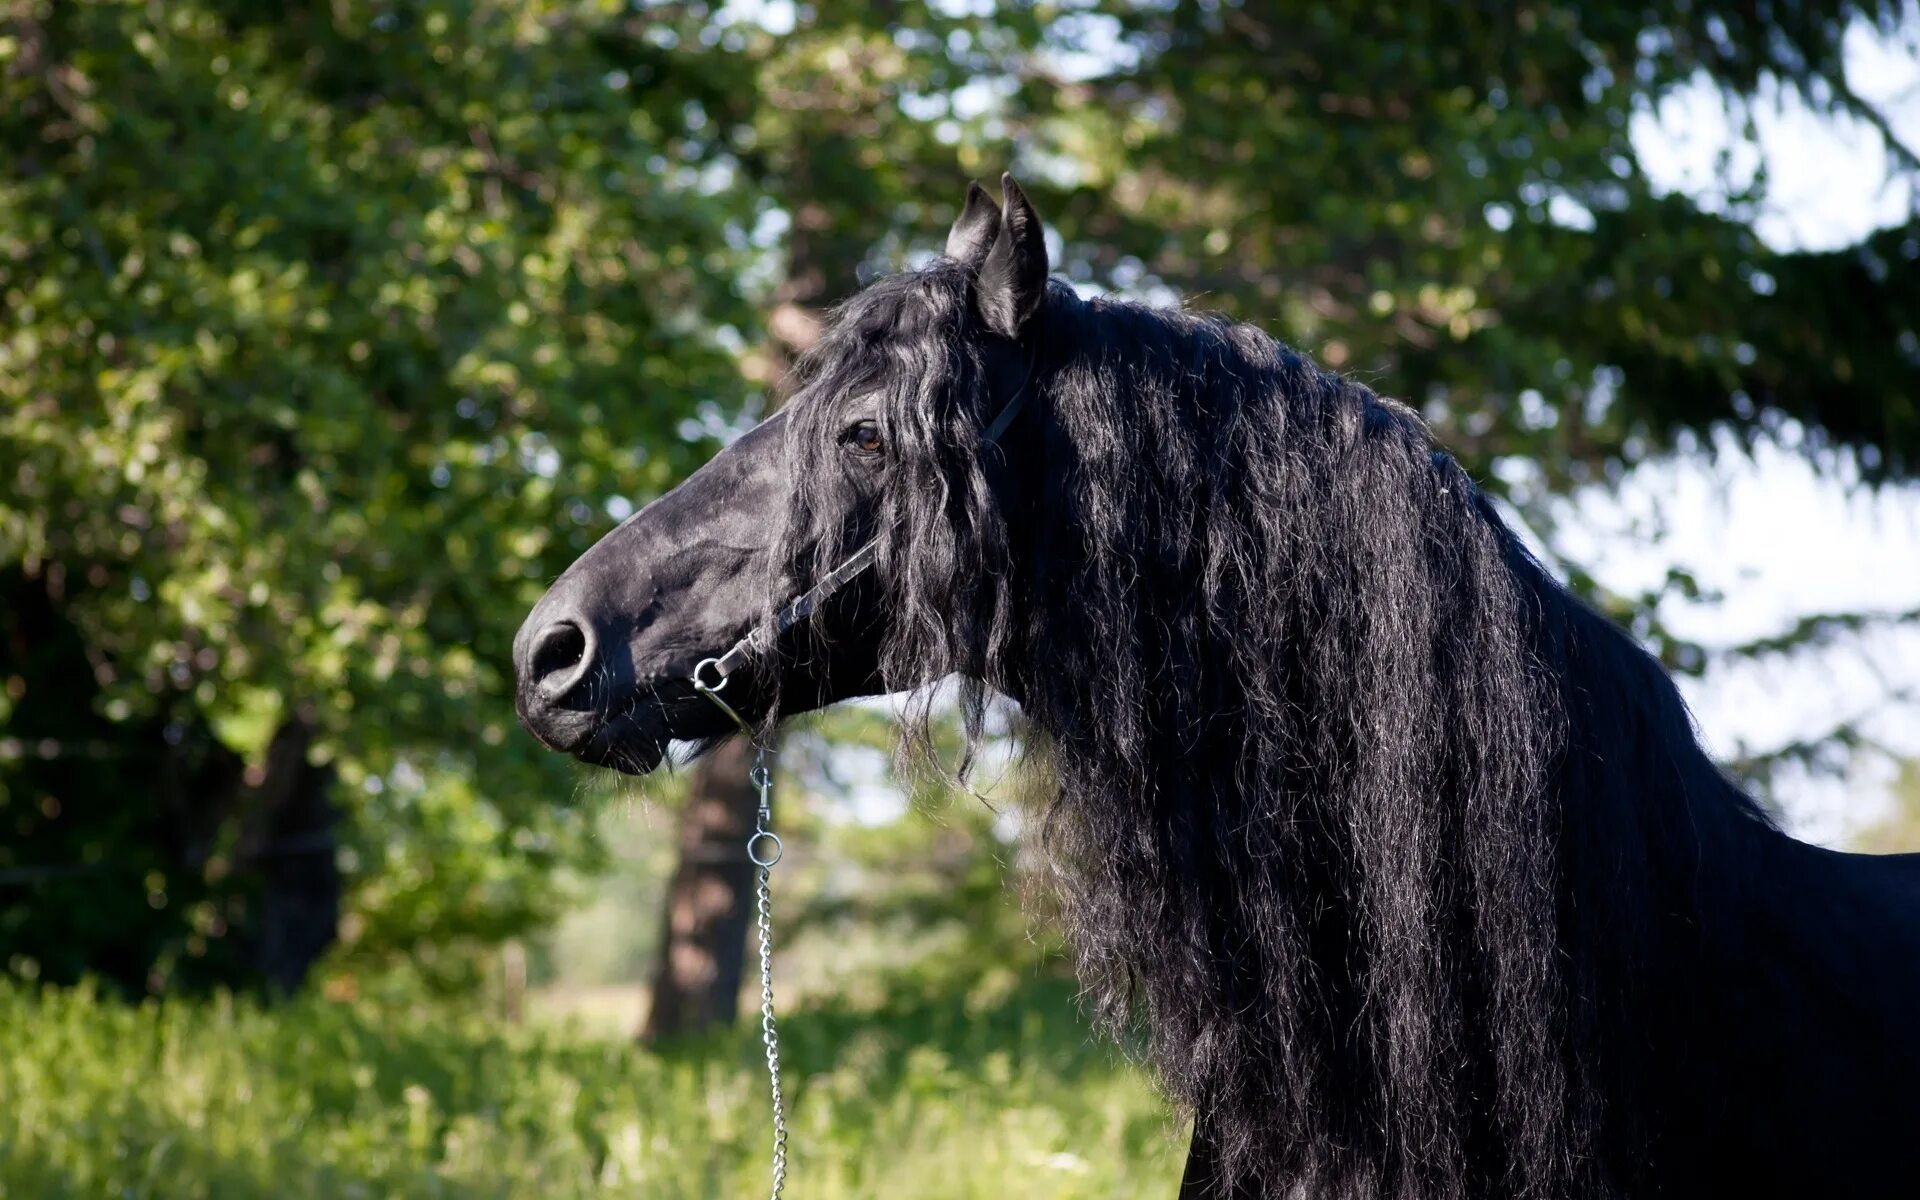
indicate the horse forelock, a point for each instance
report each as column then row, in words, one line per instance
column 1287, row 676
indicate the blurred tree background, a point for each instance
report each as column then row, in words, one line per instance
column 333, row 331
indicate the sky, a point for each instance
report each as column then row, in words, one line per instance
column 1827, row 182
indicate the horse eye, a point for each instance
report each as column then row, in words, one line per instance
column 864, row 437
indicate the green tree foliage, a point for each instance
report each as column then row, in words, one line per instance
column 332, row 334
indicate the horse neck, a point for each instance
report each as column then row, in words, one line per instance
column 1652, row 831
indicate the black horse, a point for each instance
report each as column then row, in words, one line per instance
column 1406, row 864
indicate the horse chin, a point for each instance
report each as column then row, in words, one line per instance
column 621, row 747
column 632, row 742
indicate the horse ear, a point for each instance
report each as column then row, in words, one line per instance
column 1013, row 279
column 974, row 231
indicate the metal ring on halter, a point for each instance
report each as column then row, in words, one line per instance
column 712, row 692
column 760, row 838
column 701, row 684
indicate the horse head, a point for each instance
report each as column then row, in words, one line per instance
column 728, row 567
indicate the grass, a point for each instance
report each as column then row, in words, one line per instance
column 987, row 1091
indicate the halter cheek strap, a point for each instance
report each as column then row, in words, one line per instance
column 710, row 675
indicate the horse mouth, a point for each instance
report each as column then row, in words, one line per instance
column 631, row 735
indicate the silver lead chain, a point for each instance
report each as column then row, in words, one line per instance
column 763, row 850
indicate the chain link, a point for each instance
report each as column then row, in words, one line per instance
column 764, row 859
column 763, row 851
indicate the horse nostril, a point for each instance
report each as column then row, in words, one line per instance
column 559, row 658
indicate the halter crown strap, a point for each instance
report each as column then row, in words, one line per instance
column 1009, row 411
column 714, row 671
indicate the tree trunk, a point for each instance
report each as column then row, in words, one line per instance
column 703, row 926
column 292, row 844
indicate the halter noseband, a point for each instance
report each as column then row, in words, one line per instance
column 710, row 674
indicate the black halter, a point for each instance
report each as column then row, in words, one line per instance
column 710, row 675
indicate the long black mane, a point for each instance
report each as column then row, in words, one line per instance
column 1372, row 831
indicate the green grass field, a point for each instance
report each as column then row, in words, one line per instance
column 943, row 1094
